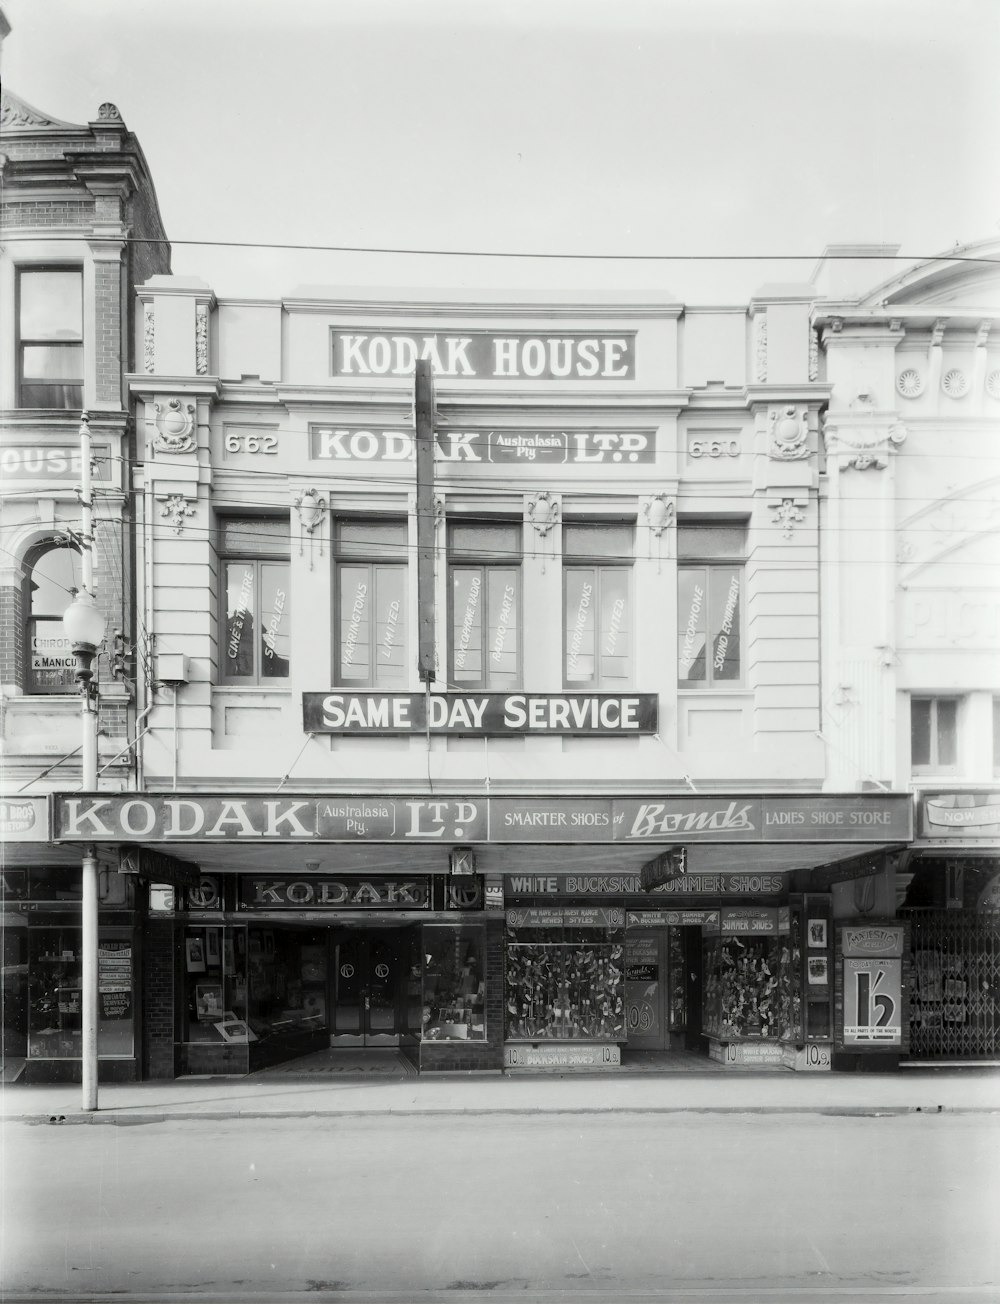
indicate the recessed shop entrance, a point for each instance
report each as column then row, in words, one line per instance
column 368, row 986
column 663, row 974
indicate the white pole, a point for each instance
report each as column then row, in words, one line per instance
column 89, row 708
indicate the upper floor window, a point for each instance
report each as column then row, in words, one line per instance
column 597, row 605
column 370, row 603
column 255, row 632
column 53, row 576
column 50, row 338
column 933, row 733
column 484, row 570
column 709, row 604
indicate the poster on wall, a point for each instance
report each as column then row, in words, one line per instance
column 873, row 1002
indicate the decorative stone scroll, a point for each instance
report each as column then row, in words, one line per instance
column 177, row 508
column 787, row 513
column 311, row 508
column 148, row 338
column 201, row 339
column 862, row 446
column 174, row 427
column 542, row 511
column 760, row 347
column 661, row 514
column 789, row 433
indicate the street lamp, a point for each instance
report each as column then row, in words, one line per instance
column 83, row 625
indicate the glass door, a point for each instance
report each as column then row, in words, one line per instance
column 367, row 982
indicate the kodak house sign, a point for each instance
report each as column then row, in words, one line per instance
column 217, row 817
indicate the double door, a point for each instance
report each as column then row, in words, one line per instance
column 663, row 988
column 368, row 987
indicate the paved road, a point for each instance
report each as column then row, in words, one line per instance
column 533, row 1208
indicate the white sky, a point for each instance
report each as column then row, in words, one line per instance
column 679, row 127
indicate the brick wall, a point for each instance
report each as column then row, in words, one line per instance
column 465, row 1056
column 11, row 637
column 108, row 331
column 158, row 964
column 63, row 212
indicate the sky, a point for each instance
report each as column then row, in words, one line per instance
column 688, row 139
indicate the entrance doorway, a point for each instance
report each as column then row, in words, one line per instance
column 368, row 987
column 663, row 969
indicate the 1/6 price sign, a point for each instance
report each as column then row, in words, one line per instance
column 872, row 1002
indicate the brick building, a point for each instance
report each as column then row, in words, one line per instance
column 81, row 229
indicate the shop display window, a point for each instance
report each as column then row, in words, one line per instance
column 215, row 978
column 790, row 979
column 741, row 987
column 286, row 981
column 56, row 987
column 677, row 981
column 565, row 982
column 454, row 1004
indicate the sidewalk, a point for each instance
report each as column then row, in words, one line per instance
column 912, row 1090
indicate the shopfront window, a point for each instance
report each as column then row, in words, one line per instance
column 485, row 577
column 454, row 999
column 709, row 605
column 286, row 990
column 597, row 608
column 564, row 980
column 56, row 987
column 52, row 577
column 50, row 338
column 370, row 603
column 256, row 605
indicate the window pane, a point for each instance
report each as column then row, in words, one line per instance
column 274, row 615
column 920, row 731
column 467, row 624
column 370, row 538
column 54, row 576
column 51, row 305
column 355, row 638
column 498, row 541
column 390, row 625
column 65, row 397
column 615, row 623
column 692, row 584
column 724, row 594
column 42, row 362
column 503, row 620
column 590, row 540
column 260, row 536
column 947, row 731
column 996, row 733
column 580, row 586
column 238, row 653
column 454, row 1002
column 705, row 541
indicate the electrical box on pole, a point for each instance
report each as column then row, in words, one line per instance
column 425, row 421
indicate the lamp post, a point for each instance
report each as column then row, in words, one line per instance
column 83, row 624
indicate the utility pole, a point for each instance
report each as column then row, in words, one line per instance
column 84, row 627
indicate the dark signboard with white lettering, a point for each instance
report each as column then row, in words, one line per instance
column 678, row 820
column 508, row 446
column 484, row 355
column 268, row 892
column 480, row 714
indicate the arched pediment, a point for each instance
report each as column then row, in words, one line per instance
column 968, row 276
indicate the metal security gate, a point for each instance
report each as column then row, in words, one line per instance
column 955, row 997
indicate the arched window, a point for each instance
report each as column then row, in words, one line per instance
column 53, row 575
